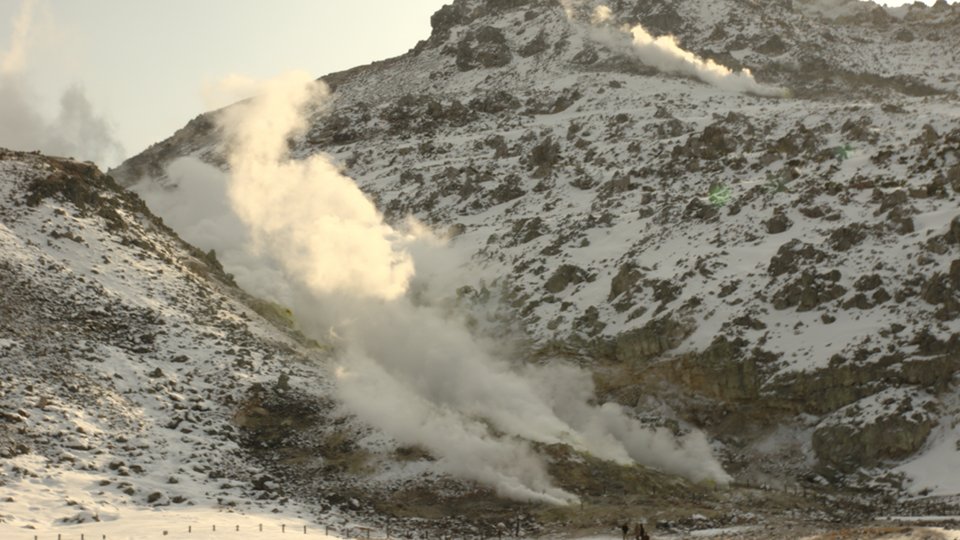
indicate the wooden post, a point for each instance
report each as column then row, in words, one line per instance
column 283, row 528
column 214, row 528
column 261, row 527
column 304, row 529
column 189, row 528
column 326, row 530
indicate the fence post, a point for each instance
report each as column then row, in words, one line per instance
column 283, row 528
column 238, row 528
column 304, row 529
column 189, row 528
column 214, row 528
column 261, row 527
column 326, row 531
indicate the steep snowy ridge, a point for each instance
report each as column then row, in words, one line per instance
column 125, row 353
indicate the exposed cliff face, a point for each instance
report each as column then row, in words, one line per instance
column 748, row 264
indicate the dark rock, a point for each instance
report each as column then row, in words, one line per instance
column 626, row 280
column 446, row 18
column 880, row 296
column 484, row 48
column 858, row 301
column 868, row 282
column 809, row 291
column 778, row 223
column 495, row 101
column 937, row 289
column 953, row 177
column 655, row 338
column 773, row 46
column 564, row 276
column 860, row 130
column 543, row 157
column 904, row 35
column 535, row 46
column 589, row 323
column 528, row 229
column 894, row 436
column 928, row 135
column 844, row 238
column 698, row 209
column 953, row 235
column 714, row 142
column 791, row 255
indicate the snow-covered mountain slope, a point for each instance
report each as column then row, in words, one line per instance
column 138, row 381
column 781, row 272
column 125, row 354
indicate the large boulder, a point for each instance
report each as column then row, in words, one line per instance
column 890, row 425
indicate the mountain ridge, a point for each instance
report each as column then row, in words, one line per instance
column 588, row 197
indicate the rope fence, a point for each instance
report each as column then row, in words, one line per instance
column 350, row 533
column 205, row 532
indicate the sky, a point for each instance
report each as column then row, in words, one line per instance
column 143, row 65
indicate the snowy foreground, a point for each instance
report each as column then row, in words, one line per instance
column 45, row 509
column 193, row 524
column 199, row 525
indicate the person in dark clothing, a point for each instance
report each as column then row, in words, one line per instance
column 639, row 533
column 625, row 528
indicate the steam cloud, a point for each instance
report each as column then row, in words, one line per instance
column 410, row 369
column 76, row 132
column 665, row 54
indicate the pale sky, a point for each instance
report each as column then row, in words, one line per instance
column 143, row 63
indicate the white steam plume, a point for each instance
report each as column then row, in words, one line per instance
column 601, row 14
column 412, row 370
column 76, row 132
column 13, row 60
column 324, row 229
column 664, row 53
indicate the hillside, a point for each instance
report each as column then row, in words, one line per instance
column 126, row 353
